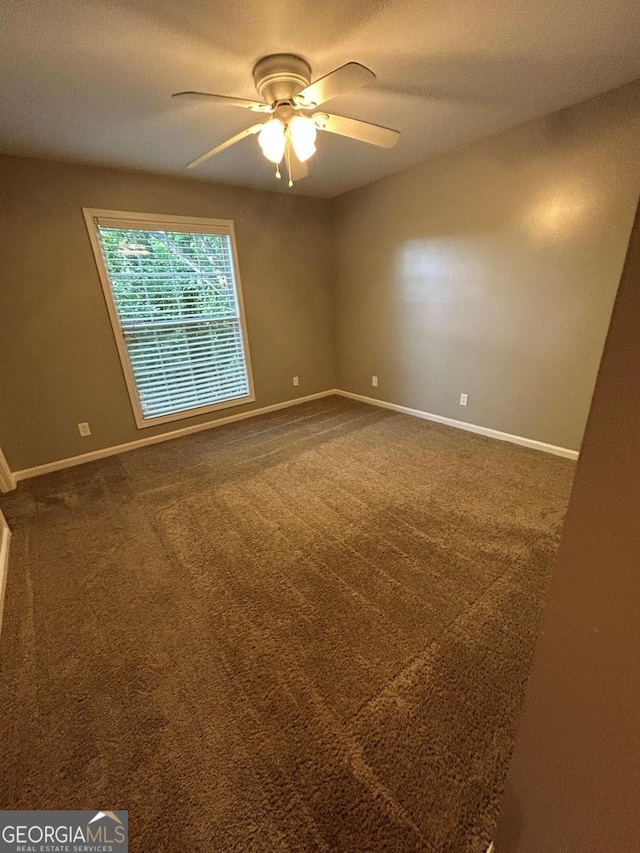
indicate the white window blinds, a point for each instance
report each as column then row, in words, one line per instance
column 179, row 313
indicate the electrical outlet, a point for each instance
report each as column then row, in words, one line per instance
column 84, row 429
column 374, row 381
column 464, row 399
column 296, row 381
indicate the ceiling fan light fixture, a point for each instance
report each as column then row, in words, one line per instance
column 283, row 82
column 272, row 140
column 303, row 137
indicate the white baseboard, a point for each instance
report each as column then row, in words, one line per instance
column 490, row 433
column 5, row 536
column 7, row 480
column 70, row 461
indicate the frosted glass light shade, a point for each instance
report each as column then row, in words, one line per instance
column 303, row 137
column 272, row 140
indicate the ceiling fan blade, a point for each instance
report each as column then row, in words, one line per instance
column 344, row 79
column 256, row 106
column 298, row 170
column 364, row 131
column 256, row 128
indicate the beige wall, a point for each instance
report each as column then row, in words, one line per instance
column 492, row 270
column 574, row 784
column 58, row 360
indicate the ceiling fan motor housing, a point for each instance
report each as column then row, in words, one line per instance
column 281, row 76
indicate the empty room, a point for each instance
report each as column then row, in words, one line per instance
column 319, row 443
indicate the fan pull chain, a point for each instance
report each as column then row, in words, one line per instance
column 278, row 175
column 288, row 156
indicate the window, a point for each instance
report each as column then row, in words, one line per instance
column 173, row 294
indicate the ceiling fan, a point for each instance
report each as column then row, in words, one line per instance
column 283, row 81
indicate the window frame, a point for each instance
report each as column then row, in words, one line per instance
column 168, row 222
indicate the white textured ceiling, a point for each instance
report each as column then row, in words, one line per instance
column 90, row 80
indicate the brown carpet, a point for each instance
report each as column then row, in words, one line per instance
column 308, row 631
